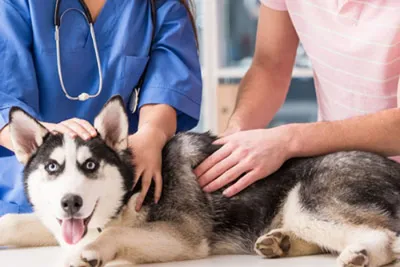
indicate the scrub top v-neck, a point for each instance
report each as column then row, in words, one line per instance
column 29, row 77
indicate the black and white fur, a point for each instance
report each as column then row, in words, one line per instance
column 346, row 203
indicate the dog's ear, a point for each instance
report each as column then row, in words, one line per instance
column 112, row 124
column 26, row 134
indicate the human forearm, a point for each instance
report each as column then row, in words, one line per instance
column 378, row 132
column 261, row 93
column 264, row 88
column 159, row 119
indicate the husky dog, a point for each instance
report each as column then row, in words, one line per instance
column 346, row 203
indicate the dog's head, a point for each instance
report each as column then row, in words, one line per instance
column 73, row 184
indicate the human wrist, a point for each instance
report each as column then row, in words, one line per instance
column 293, row 139
column 158, row 135
column 235, row 124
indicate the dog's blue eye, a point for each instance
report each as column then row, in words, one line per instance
column 52, row 167
column 90, row 165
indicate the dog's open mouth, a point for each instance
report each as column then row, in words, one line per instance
column 74, row 229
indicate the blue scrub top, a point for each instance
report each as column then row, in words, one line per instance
column 29, row 78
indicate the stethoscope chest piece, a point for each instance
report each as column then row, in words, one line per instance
column 83, row 97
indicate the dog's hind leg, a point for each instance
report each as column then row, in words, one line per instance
column 280, row 243
column 157, row 242
column 24, row 230
column 368, row 247
column 358, row 245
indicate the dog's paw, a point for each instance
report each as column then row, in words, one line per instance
column 9, row 225
column 353, row 258
column 275, row 244
column 84, row 258
column 92, row 257
column 77, row 263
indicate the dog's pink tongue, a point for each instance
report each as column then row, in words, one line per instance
column 72, row 230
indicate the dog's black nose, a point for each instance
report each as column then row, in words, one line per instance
column 71, row 204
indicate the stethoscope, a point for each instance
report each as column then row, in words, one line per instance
column 86, row 13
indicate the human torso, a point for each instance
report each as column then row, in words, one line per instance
column 354, row 47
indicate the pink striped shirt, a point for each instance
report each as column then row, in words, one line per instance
column 354, row 48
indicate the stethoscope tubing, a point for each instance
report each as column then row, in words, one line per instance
column 57, row 23
column 89, row 19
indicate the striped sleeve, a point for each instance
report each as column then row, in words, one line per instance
column 279, row 5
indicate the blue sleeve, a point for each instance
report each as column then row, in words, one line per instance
column 174, row 75
column 18, row 85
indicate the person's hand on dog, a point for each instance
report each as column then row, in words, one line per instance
column 147, row 144
column 254, row 153
column 73, row 127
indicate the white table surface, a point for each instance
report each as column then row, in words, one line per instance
column 48, row 257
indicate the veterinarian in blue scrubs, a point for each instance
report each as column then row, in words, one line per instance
column 169, row 99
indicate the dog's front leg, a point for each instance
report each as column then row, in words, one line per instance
column 159, row 242
column 24, row 230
